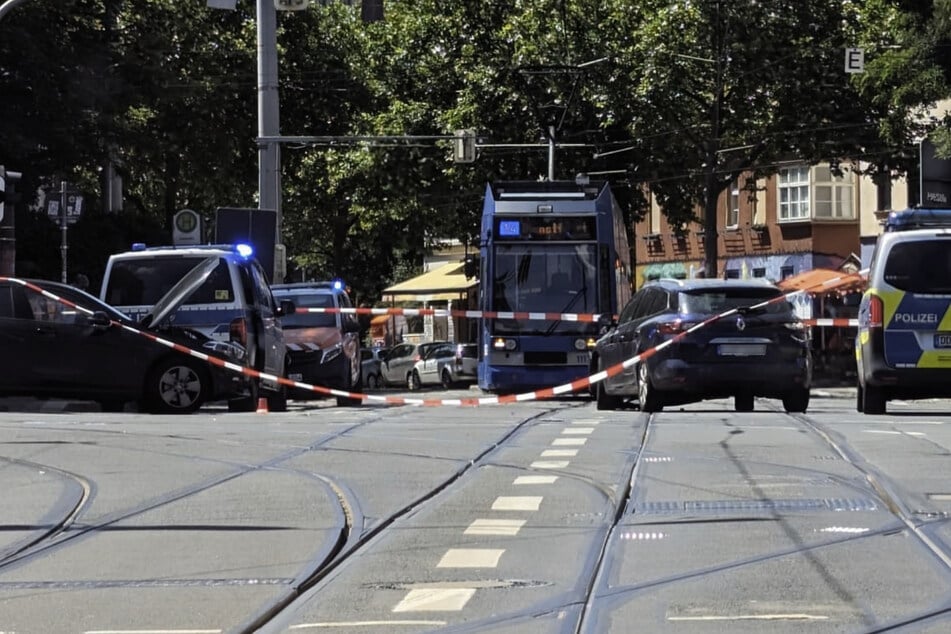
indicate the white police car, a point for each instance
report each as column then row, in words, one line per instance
column 233, row 304
column 903, row 345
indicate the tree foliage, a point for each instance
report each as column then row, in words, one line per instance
column 682, row 96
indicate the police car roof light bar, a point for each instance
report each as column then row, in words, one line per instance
column 909, row 219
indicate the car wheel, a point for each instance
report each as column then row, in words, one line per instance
column 176, row 386
column 604, row 400
column 743, row 402
column 412, row 381
column 446, row 380
column 277, row 401
column 859, row 398
column 650, row 399
column 873, row 401
column 343, row 401
column 796, row 400
column 247, row 403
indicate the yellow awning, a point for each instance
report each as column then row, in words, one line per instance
column 442, row 283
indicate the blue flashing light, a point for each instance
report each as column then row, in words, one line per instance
column 918, row 219
column 244, row 250
column 138, row 246
column 338, row 285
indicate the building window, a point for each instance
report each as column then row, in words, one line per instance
column 733, row 206
column 732, row 274
column 759, row 272
column 793, row 194
column 833, row 194
column 785, row 271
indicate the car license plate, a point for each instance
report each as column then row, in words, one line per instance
column 942, row 340
column 741, row 349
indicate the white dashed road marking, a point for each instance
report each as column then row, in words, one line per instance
column 559, row 453
column 534, row 479
column 435, row 600
column 328, row 624
column 585, row 422
column 495, row 527
column 577, row 431
column 549, row 464
column 471, row 558
column 569, row 442
column 517, row 503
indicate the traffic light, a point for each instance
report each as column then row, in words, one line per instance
column 8, row 181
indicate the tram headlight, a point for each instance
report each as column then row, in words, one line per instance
column 501, row 343
column 590, row 342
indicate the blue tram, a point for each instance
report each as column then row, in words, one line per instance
column 553, row 247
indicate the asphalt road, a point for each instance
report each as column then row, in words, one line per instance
column 536, row 517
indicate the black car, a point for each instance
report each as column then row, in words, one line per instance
column 82, row 349
column 762, row 351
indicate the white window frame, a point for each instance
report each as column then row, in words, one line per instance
column 733, row 206
column 833, row 195
column 792, row 194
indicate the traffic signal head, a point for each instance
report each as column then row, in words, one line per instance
column 8, row 181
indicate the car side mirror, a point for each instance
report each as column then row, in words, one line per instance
column 285, row 307
column 99, row 319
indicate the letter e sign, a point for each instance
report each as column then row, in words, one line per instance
column 854, row 60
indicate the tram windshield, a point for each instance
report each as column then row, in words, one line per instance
column 544, row 278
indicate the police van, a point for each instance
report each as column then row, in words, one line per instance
column 903, row 345
column 233, row 304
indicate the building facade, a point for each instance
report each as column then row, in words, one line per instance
column 801, row 218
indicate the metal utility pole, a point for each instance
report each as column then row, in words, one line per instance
column 269, row 159
column 711, row 266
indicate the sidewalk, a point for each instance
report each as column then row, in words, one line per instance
column 46, row 406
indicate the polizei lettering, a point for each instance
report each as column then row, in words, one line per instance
column 916, row 318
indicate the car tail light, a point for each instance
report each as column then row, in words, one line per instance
column 876, row 312
column 238, row 331
column 673, row 327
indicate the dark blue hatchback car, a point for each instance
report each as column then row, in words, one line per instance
column 762, row 351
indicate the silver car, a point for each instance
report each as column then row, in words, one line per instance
column 399, row 363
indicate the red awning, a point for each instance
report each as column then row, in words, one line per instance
column 824, row 281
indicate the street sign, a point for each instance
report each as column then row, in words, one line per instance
column 186, row 228
column 74, row 208
column 854, row 60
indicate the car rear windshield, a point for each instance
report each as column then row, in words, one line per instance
column 309, row 320
column 920, row 266
column 142, row 282
column 717, row 300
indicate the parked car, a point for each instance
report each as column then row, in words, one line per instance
column 53, row 349
column 903, row 345
column 428, row 370
column 371, row 362
column 324, row 348
column 232, row 303
column 754, row 352
column 398, row 363
column 462, row 368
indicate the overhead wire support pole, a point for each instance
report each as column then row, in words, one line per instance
column 269, row 158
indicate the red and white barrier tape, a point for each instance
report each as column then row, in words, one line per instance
column 558, row 390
